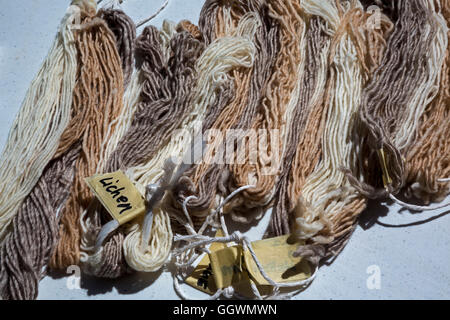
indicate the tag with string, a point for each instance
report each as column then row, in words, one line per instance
column 105, row 188
column 202, row 277
column 118, row 195
column 235, row 267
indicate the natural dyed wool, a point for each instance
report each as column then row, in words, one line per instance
column 315, row 96
column 275, row 115
column 328, row 204
column 210, row 91
column 151, row 70
column 27, row 249
column 344, row 108
column 165, row 102
column 43, row 116
column 132, row 97
column 304, row 136
column 209, row 179
column 124, row 32
column 214, row 91
column 154, row 124
column 399, row 92
column 428, row 160
column 101, row 91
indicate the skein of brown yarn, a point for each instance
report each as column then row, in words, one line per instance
column 28, row 248
column 428, row 160
column 153, row 69
column 371, row 45
column 387, row 105
column 165, row 103
column 211, row 177
column 335, row 226
column 304, row 147
column 154, row 124
column 275, row 110
column 102, row 91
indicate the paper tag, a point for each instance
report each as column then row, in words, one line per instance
column 232, row 266
column 276, row 255
column 228, row 266
column 202, row 278
column 118, row 195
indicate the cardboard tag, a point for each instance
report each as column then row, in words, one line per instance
column 276, row 257
column 228, row 266
column 118, row 195
column 202, row 278
column 232, row 266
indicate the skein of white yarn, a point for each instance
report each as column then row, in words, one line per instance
column 327, row 191
column 44, row 114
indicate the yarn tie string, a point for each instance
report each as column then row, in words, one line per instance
column 197, row 241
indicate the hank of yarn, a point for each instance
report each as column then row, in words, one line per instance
column 43, row 116
column 102, row 92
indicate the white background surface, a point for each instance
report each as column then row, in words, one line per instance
column 413, row 257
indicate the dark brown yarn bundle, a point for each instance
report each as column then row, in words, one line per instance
column 428, row 160
column 208, row 19
column 385, row 100
column 124, row 31
column 101, row 90
column 164, row 104
column 28, row 248
column 206, row 180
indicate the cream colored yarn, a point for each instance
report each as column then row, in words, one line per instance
column 44, row 114
column 213, row 68
column 327, row 191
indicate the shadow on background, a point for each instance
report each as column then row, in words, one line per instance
column 127, row 284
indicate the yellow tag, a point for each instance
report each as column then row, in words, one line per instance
column 118, row 195
column 276, row 257
column 201, row 278
column 227, row 266
column 232, row 266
